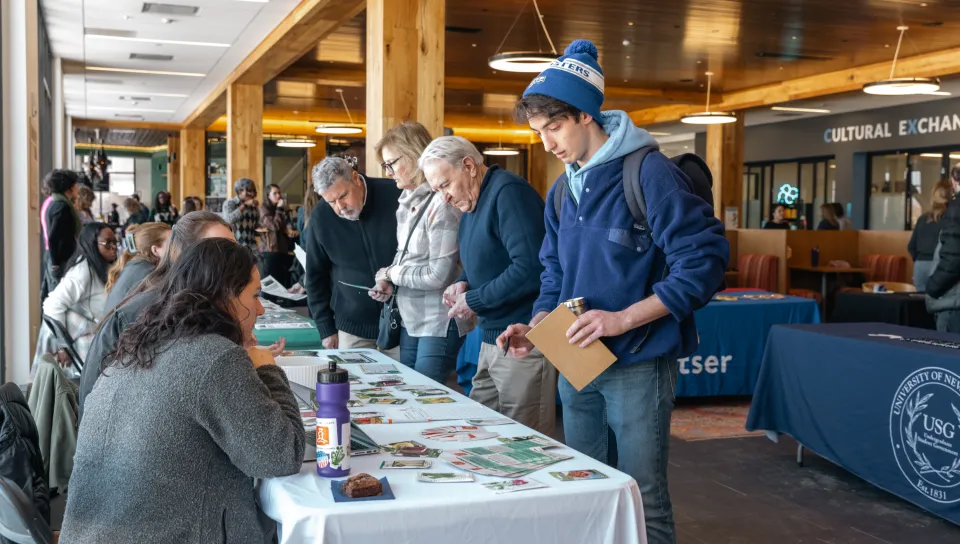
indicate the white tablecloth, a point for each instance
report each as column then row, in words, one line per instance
column 595, row 511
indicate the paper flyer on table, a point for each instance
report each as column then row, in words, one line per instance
column 436, row 412
column 272, row 287
column 505, row 460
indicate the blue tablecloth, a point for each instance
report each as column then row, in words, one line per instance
column 886, row 409
column 732, row 337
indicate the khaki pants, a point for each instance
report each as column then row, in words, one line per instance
column 522, row 389
column 349, row 341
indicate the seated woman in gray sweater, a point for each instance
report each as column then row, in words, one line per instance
column 186, row 416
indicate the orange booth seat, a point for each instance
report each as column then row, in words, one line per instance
column 758, row 272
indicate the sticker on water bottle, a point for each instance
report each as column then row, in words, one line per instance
column 333, row 447
column 327, row 432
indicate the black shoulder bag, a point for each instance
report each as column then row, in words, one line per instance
column 389, row 335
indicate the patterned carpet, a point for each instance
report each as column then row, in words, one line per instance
column 719, row 419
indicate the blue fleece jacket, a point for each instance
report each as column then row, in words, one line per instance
column 499, row 242
column 593, row 249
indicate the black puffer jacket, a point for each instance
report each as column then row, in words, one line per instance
column 947, row 273
column 20, row 459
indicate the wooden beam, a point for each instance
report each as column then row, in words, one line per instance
column 725, row 159
column 245, row 135
column 173, row 170
column 316, row 154
column 939, row 63
column 308, row 23
column 193, row 163
column 338, row 77
column 404, row 68
column 113, row 123
column 537, row 158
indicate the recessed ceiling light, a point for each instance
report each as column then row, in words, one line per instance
column 127, row 17
column 800, row 110
column 155, row 40
column 138, row 93
column 473, row 45
column 139, row 110
column 626, row 42
column 923, row 5
column 153, row 72
column 166, row 21
column 630, row 23
column 793, row 37
column 628, row 57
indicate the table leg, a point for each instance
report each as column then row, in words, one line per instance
column 800, row 454
column 823, row 295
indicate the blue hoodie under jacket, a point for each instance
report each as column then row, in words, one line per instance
column 593, row 250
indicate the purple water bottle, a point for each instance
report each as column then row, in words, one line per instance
column 333, row 422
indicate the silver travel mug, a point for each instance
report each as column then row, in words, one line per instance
column 577, row 305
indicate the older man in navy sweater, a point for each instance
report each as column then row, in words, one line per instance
column 501, row 231
column 644, row 318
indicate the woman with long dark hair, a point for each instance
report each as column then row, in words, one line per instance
column 274, row 236
column 78, row 301
column 189, row 414
column 163, row 210
column 145, row 246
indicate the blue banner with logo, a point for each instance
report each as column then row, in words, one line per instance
column 733, row 333
column 882, row 401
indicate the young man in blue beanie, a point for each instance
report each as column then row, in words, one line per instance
column 644, row 316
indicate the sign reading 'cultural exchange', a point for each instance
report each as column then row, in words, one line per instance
column 904, row 127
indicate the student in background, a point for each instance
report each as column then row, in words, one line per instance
column 779, row 220
column 926, row 234
column 829, row 218
column 85, row 198
column 143, row 207
column 243, row 213
column 275, row 246
column 61, row 225
column 188, row 417
column 163, row 210
column 145, row 246
column 135, row 213
column 842, row 220
column 78, row 301
column 189, row 205
column 113, row 217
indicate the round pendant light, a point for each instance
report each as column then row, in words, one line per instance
column 341, row 129
column 524, row 61
column 531, row 62
column 902, row 86
column 500, row 150
column 708, row 117
column 296, row 142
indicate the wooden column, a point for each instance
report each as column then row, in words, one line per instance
column 316, row 154
column 173, row 170
column 537, row 160
column 405, row 76
column 725, row 159
column 193, row 163
column 245, row 135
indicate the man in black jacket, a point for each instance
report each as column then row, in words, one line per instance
column 943, row 291
column 351, row 235
column 61, row 225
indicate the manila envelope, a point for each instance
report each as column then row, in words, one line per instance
column 579, row 366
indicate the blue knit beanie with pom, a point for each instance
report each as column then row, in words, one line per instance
column 574, row 78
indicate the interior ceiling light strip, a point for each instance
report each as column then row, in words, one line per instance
column 137, row 71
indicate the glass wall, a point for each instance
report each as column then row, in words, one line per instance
column 801, row 185
column 901, row 185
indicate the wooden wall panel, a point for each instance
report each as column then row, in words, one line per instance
column 725, row 159
column 193, row 163
column 173, row 170
column 834, row 246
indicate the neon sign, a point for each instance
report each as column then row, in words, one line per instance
column 788, row 194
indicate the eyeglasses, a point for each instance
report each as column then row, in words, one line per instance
column 109, row 244
column 388, row 166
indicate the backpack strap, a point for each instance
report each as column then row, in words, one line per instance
column 631, row 187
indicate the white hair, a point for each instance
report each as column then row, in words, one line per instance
column 452, row 149
column 329, row 171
